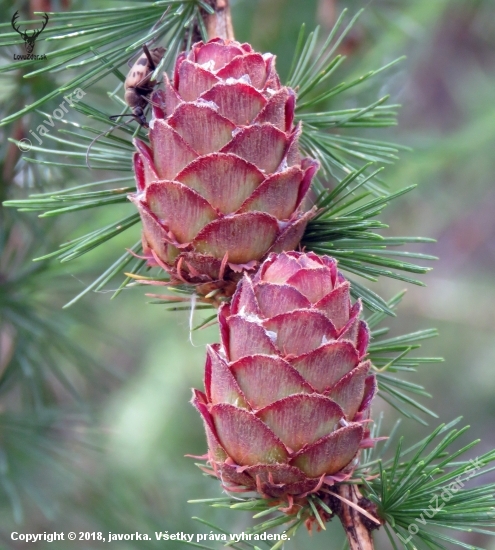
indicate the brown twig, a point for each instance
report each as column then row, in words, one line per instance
column 219, row 24
column 358, row 527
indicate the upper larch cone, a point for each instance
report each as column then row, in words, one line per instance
column 221, row 184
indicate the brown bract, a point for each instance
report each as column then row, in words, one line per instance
column 288, row 391
column 221, row 184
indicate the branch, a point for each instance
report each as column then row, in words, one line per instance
column 219, row 24
column 357, row 526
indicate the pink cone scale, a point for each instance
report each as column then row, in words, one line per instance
column 221, row 184
column 288, row 391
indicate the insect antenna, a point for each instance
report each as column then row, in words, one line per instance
column 106, row 132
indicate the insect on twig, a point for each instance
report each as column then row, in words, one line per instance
column 138, row 86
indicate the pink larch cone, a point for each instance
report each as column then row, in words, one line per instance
column 221, row 184
column 288, row 391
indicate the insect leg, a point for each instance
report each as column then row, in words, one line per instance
column 148, row 55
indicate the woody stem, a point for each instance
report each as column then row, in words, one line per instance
column 219, row 24
column 356, row 525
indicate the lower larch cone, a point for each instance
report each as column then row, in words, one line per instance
column 288, row 392
column 221, row 183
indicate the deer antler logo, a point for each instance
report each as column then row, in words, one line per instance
column 29, row 39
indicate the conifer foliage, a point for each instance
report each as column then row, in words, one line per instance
column 248, row 203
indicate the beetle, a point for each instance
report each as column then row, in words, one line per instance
column 138, row 86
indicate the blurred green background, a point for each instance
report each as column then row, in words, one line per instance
column 112, row 458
